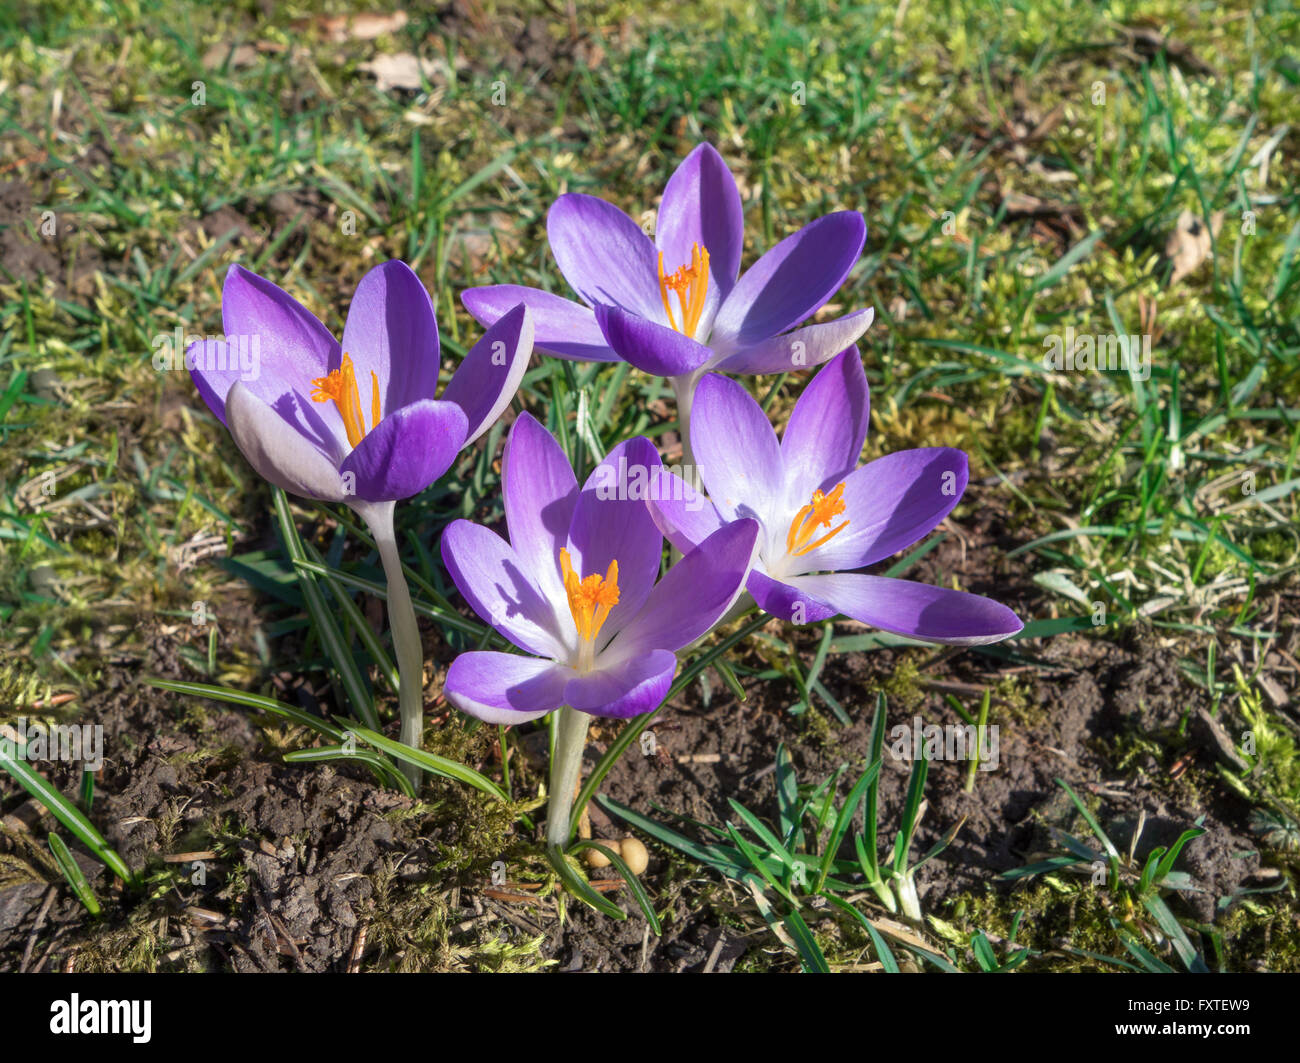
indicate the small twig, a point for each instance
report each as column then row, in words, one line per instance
column 46, row 904
column 358, row 947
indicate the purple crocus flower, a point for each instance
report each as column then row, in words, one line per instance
column 575, row 588
column 358, row 422
column 822, row 516
column 674, row 306
column 292, row 397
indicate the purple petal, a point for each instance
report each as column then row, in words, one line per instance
column 540, row 493
column 890, row 503
column 604, row 255
column 279, row 451
column 406, row 451
column 391, row 332
column 612, row 522
column 824, row 436
column 739, row 458
column 684, row 516
column 786, row 602
column 701, row 205
column 919, row 611
column 693, row 595
column 498, row 586
column 284, row 344
column 486, row 381
column 504, row 687
column 562, row 327
column 632, row 688
column 792, row 280
column 801, row 349
column 653, row 348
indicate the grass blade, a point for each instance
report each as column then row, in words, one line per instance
column 66, row 813
column 73, row 873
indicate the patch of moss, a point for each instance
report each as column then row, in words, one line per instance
column 1261, row 938
column 1013, row 697
column 904, row 686
column 1053, row 922
column 135, row 947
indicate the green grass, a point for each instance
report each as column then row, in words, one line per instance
column 1124, row 498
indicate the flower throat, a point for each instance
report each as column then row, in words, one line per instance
column 340, row 387
column 691, row 283
column 590, row 601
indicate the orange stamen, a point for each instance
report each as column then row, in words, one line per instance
column 340, row 388
column 590, row 599
column 823, row 509
column 691, row 283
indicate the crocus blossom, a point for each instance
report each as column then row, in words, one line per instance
column 823, row 516
column 575, row 588
column 678, row 306
column 358, row 422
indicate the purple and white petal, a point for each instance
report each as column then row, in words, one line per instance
column 500, row 589
column 631, row 688
column 505, row 688
column 891, row 503
column 604, row 255
column 391, row 332
column 612, row 522
column 279, row 452
column 804, row 348
column 917, row 610
column 406, row 451
column 684, row 515
column 791, row 281
column 738, row 455
column 561, row 327
column 485, row 382
column 693, row 595
column 273, row 345
column 786, row 601
column 701, row 204
column 653, row 348
column 824, row 436
column 540, row 493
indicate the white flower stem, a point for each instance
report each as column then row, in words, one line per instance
column 566, row 767
column 406, row 635
column 684, row 392
column 905, row 886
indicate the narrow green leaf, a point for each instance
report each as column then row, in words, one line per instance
column 450, row 769
column 579, row 886
column 251, row 701
column 634, row 883
column 65, row 812
column 73, row 873
column 810, row 953
column 338, row 652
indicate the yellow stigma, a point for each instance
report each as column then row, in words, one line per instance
column 340, row 388
column 823, row 509
column 691, row 283
column 590, row 599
